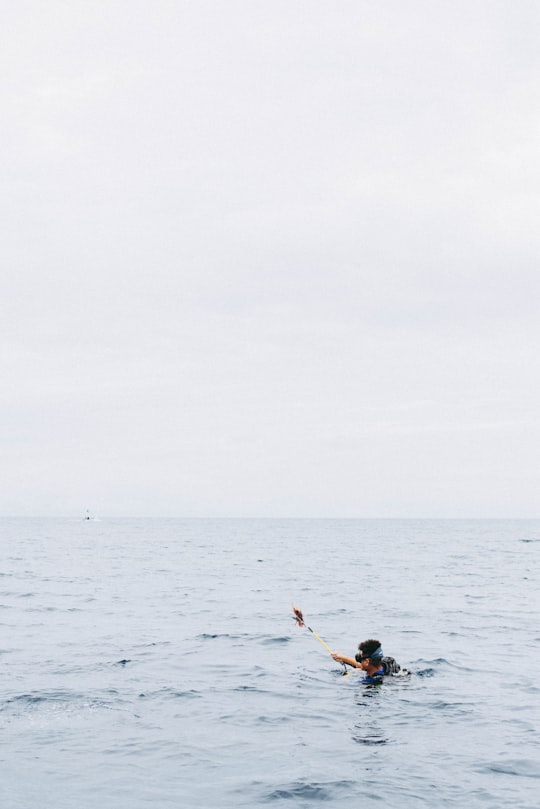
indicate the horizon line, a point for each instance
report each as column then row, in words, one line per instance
column 97, row 517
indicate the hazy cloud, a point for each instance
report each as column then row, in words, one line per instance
column 274, row 259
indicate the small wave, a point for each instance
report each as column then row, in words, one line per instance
column 56, row 702
column 273, row 720
column 311, row 792
column 250, row 688
column 531, row 689
column 31, row 699
column 152, row 644
column 436, row 664
column 370, row 740
column 171, row 693
column 215, row 635
column 269, row 641
column 521, row 767
column 456, row 707
column 439, row 661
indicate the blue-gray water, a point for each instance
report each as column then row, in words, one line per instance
column 155, row 663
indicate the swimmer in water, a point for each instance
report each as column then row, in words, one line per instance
column 371, row 660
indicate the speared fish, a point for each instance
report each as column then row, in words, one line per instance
column 299, row 618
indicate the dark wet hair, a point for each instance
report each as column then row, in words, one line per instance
column 369, row 649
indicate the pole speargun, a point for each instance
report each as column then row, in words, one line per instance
column 299, row 618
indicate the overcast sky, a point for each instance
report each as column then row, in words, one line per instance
column 270, row 258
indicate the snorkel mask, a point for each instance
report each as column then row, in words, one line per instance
column 375, row 655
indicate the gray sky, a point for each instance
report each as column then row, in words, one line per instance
column 270, row 258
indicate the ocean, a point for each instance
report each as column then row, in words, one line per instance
column 155, row 662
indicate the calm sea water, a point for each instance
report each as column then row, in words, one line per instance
column 155, row 663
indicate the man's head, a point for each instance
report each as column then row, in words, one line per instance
column 369, row 650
